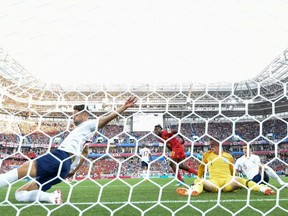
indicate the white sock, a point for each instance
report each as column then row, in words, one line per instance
column 273, row 174
column 144, row 173
column 8, row 177
column 263, row 188
column 31, row 196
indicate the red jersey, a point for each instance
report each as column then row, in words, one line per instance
column 173, row 142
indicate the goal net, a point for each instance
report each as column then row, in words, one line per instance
column 35, row 119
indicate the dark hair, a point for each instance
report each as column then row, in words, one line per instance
column 80, row 107
column 214, row 140
column 159, row 126
column 250, row 145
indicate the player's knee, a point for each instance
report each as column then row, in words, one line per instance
column 210, row 188
column 230, row 187
column 214, row 189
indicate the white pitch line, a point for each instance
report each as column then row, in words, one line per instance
column 149, row 202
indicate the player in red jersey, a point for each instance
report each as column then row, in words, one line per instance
column 176, row 145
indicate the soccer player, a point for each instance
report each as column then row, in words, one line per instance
column 146, row 156
column 250, row 165
column 176, row 146
column 221, row 170
column 65, row 160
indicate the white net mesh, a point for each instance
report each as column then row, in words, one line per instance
column 36, row 118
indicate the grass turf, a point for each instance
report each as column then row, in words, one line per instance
column 155, row 197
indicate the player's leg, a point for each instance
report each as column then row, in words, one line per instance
column 46, row 171
column 198, row 187
column 257, row 178
column 144, row 169
column 274, row 175
column 180, row 155
column 28, row 167
column 144, row 172
column 212, row 185
column 47, row 175
column 266, row 177
column 25, row 169
column 173, row 165
column 231, row 184
column 253, row 186
column 184, row 167
column 30, row 192
column 188, row 169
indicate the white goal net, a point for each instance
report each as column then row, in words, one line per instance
column 35, row 119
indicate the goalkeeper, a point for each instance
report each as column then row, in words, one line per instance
column 221, row 171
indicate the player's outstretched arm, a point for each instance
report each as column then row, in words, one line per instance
column 106, row 119
column 82, row 159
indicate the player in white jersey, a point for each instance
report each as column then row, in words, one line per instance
column 55, row 166
column 250, row 165
column 146, row 156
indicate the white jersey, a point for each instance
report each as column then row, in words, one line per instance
column 145, row 152
column 248, row 165
column 76, row 140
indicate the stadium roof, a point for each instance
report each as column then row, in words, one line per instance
column 19, row 87
column 12, row 71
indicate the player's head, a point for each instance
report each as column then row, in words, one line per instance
column 245, row 149
column 157, row 129
column 80, row 114
column 143, row 145
column 181, row 138
column 214, row 145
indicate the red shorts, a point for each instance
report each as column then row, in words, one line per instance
column 178, row 152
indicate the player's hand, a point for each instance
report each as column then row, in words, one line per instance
column 71, row 174
column 130, row 102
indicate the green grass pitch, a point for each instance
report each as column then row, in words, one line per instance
column 138, row 197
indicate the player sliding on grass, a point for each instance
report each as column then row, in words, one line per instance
column 250, row 165
column 221, row 170
column 55, row 166
column 176, row 146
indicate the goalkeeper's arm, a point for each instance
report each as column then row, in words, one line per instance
column 201, row 170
